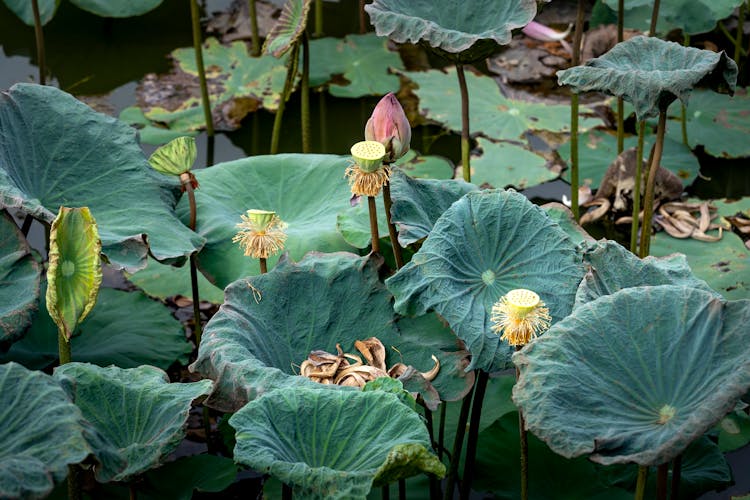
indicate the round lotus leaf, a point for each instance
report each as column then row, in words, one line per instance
column 564, row 217
column 42, row 433
column 23, row 9
column 19, row 282
column 62, row 152
column 425, row 167
column 651, row 73
column 483, row 246
column 635, row 376
column 469, row 30
column 306, row 191
column 136, row 413
column 117, row 8
column 333, row 444
column 503, row 164
column 288, row 29
column 692, row 17
column 162, row 281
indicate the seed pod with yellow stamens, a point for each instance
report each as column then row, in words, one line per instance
column 520, row 315
column 368, row 174
column 261, row 234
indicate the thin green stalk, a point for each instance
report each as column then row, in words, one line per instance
column 471, row 444
column 263, row 265
column 39, row 33
column 637, row 188
column 441, row 430
column 738, row 39
column 322, row 120
column 74, row 482
column 288, row 86
column 458, row 444
column 576, row 60
column 640, row 487
column 362, row 18
column 63, row 348
column 305, row 94
column 429, row 423
column 648, row 201
column 523, row 442
column 661, row 481
column 465, row 137
column 387, row 202
column 674, row 492
column 683, row 108
column 373, row 224
column 318, row 19
column 252, row 12
column 197, row 329
column 620, row 100
column 195, row 17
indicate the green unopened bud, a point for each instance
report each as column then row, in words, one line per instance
column 368, row 155
column 175, row 157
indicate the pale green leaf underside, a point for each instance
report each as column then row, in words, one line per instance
column 288, row 29
column 117, row 8
column 176, row 157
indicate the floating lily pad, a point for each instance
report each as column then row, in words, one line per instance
column 288, row 28
column 503, row 164
column 237, row 84
column 425, row 167
column 144, row 418
column 150, row 132
column 19, row 282
column 362, row 60
column 125, row 329
column 288, row 184
column 23, row 9
column 161, row 281
column 496, row 116
column 333, row 444
column 564, row 217
column 647, row 371
column 468, row 30
column 651, row 83
column 601, row 150
column 483, row 246
column 690, row 16
column 117, row 8
column 62, row 152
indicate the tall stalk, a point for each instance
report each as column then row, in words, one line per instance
column 186, row 179
column 387, row 202
column 620, row 100
column 291, row 74
column 318, row 19
column 637, row 188
column 674, row 492
column 465, row 137
column 252, row 13
column 74, row 481
column 683, row 108
column 362, row 18
column 39, row 33
column 661, row 481
column 305, row 93
column 373, row 224
column 458, row 444
column 575, row 61
column 648, row 202
column 640, row 487
column 738, row 37
column 471, row 444
column 263, row 265
column 197, row 45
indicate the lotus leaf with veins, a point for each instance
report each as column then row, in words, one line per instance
column 635, row 376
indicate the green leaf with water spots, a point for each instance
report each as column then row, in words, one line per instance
column 508, row 165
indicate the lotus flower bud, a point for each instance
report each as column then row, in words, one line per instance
column 389, row 126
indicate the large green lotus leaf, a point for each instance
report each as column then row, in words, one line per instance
column 162, row 281
column 724, row 265
column 354, row 223
column 288, row 29
column 483, row 246
column 470, row 28
column 292, row 185
column 564, row 217
column 19, row 281
column 716, row 122
column 117, row 8
column 55, row 150
column 690, row 16
column 333, row 444
column 601, row 150
column 503, row 164
column 651, row 73
column 137, row 414
column 236, row 81
column 635, row 376
column 42, row 433
column 563, row 479
column 417, row 203
column 150, row 132
column 362, row 60
column 490, row 113
column 74, row 273
column 125, row 329
column 425, row 167
column 270, row 323
column 611, row 267
column 23, row 9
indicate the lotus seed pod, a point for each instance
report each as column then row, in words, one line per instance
column 368, row 155
column 520, row 315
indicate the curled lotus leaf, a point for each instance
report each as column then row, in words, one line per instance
column 483, row 246
column 55, row 150
column 635, row 376
column 176, row 157
column 651, row 73
column 467, row 30
column 19, row 282
column 136, row 413
column 333, row 444
column 288, row 29
column 42, row 433
column 117, row 8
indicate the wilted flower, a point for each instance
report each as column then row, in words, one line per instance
column 521, row 315
column 389, row 126
column 261, row 234
column 367, row 174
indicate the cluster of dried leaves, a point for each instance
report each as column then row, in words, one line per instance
column 349, row 370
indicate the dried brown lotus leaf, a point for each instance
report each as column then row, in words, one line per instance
column 397, row 370
column 357, row 360
column 373, row 351
column 430, row 375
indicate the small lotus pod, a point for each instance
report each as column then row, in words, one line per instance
column 176, row 158
column 389, row 126
column 261, row 234
column 368, row 174
column 368, row 155
column 520, row 315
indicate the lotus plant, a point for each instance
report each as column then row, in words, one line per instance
column 367, row 176
column 261, row 235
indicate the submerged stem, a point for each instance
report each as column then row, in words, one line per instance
column 252, row 12
column 387, row 202
column 458, row 444
column 640, row 487
column 195, row 17
column 288, row 86
column 373, row 224
column 39, row 33
column 465, row 137
column 576, row 60
column 661, row 481
column 637, row 188
column 648, row 201
column 471, row 444
column 305, row 93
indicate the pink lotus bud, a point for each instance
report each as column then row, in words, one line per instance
column 389, row 126
column 539, row 31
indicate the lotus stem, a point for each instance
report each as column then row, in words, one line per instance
column 458, row 444
column 465, row 138
column 305, row 93
column 210, row 149
column 429, row 423
column 195, row 17
column 26, row 226
column 441, row 431
column 648, row 201
column 471, row 444
column 373, row 224
column 263, row 265
column 252, row 13
column 288, row 86
column 387, row 202
column 197, row 329
column 738, row 40
column 362, row 18
column 386, row 492
column 323, row 120
column 640, row 487
column 654, row 18
column 402, row 489
column 286, row 492
column 63, row 348
column 674, row 493
column 683, row 108
column 661, row 481
column 575, row 61
column 39, row 33
column 523, row 446
column 637, row 188
column 620, row 100
column 318, row 19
